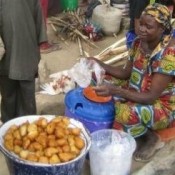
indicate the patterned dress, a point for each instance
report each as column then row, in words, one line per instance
column 136, row 118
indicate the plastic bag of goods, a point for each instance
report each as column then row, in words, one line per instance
column 83, row 71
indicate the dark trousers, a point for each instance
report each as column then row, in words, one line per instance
column 18, row 98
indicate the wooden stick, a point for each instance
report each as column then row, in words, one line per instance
column 118, row 50
column 113, row 45
column 114, row 51
column 80, row 47
column 85, row 38
column 86, row 54
column 54, row 29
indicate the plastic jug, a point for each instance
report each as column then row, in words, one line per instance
column 111, row 152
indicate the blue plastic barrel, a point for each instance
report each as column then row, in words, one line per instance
column 94, row 116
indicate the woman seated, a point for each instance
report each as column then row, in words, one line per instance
column 149, row 103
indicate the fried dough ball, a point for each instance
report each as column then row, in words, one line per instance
column 23, row 129
column 32, row 134
column 79, row 143
column 31, row 148
column 52, row 136
column 17, row 134
column 32, row 127
column 59, row 132
column 62, row 142
column 50, row 128
column 43, row 159
column 12, row 129
column 71, row 140
column 76, row 131
column 32, row 157
column 54, row 159
column 37, row 146
column 39, row 153
column 42, row 122
column 26, row 143
column 18, row 142
column 66, row 148
column 23, row 154
column 40, row 129
column 50, row 151
column 57, row 119
column 66, row 121
column 8, row 136
column 65, row 157
column 17, row 149
column 74, row 149
column 9, row 144
column 52, row 143
column 43, row 141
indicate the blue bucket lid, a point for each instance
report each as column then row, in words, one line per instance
column 82, row 107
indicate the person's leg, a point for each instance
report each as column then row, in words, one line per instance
column 44, row 6
column 26, row 98
column 47, row 47
column 8, row 89
column 148, row 145
column 140, row 121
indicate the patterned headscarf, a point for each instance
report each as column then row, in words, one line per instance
column 161, row 14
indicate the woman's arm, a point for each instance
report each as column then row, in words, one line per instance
column 121, row 72
column 159, row 84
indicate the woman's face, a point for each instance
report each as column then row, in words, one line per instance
column 149, row 29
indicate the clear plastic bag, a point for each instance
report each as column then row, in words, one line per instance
column 82, row 71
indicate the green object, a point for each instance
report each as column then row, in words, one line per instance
column 69, row 5
column 152, row 1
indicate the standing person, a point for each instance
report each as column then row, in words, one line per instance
column 46, row 47
column 22, row 30
column 146, row 103
column 136, row 8
column 171, row 6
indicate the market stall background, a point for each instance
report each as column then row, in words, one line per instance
column 64, row 59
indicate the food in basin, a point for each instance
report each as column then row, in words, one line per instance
column 47, row 144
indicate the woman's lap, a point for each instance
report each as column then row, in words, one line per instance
column 137, row 118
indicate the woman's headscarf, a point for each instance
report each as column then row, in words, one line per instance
column 161, row 14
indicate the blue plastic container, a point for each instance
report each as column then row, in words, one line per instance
column 94, row 116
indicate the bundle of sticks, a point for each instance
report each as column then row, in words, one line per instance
column 70, row 24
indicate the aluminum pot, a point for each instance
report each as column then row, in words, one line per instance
column 18, row 166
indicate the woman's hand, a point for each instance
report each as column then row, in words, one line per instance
column 92, row 59
column 106, row 90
